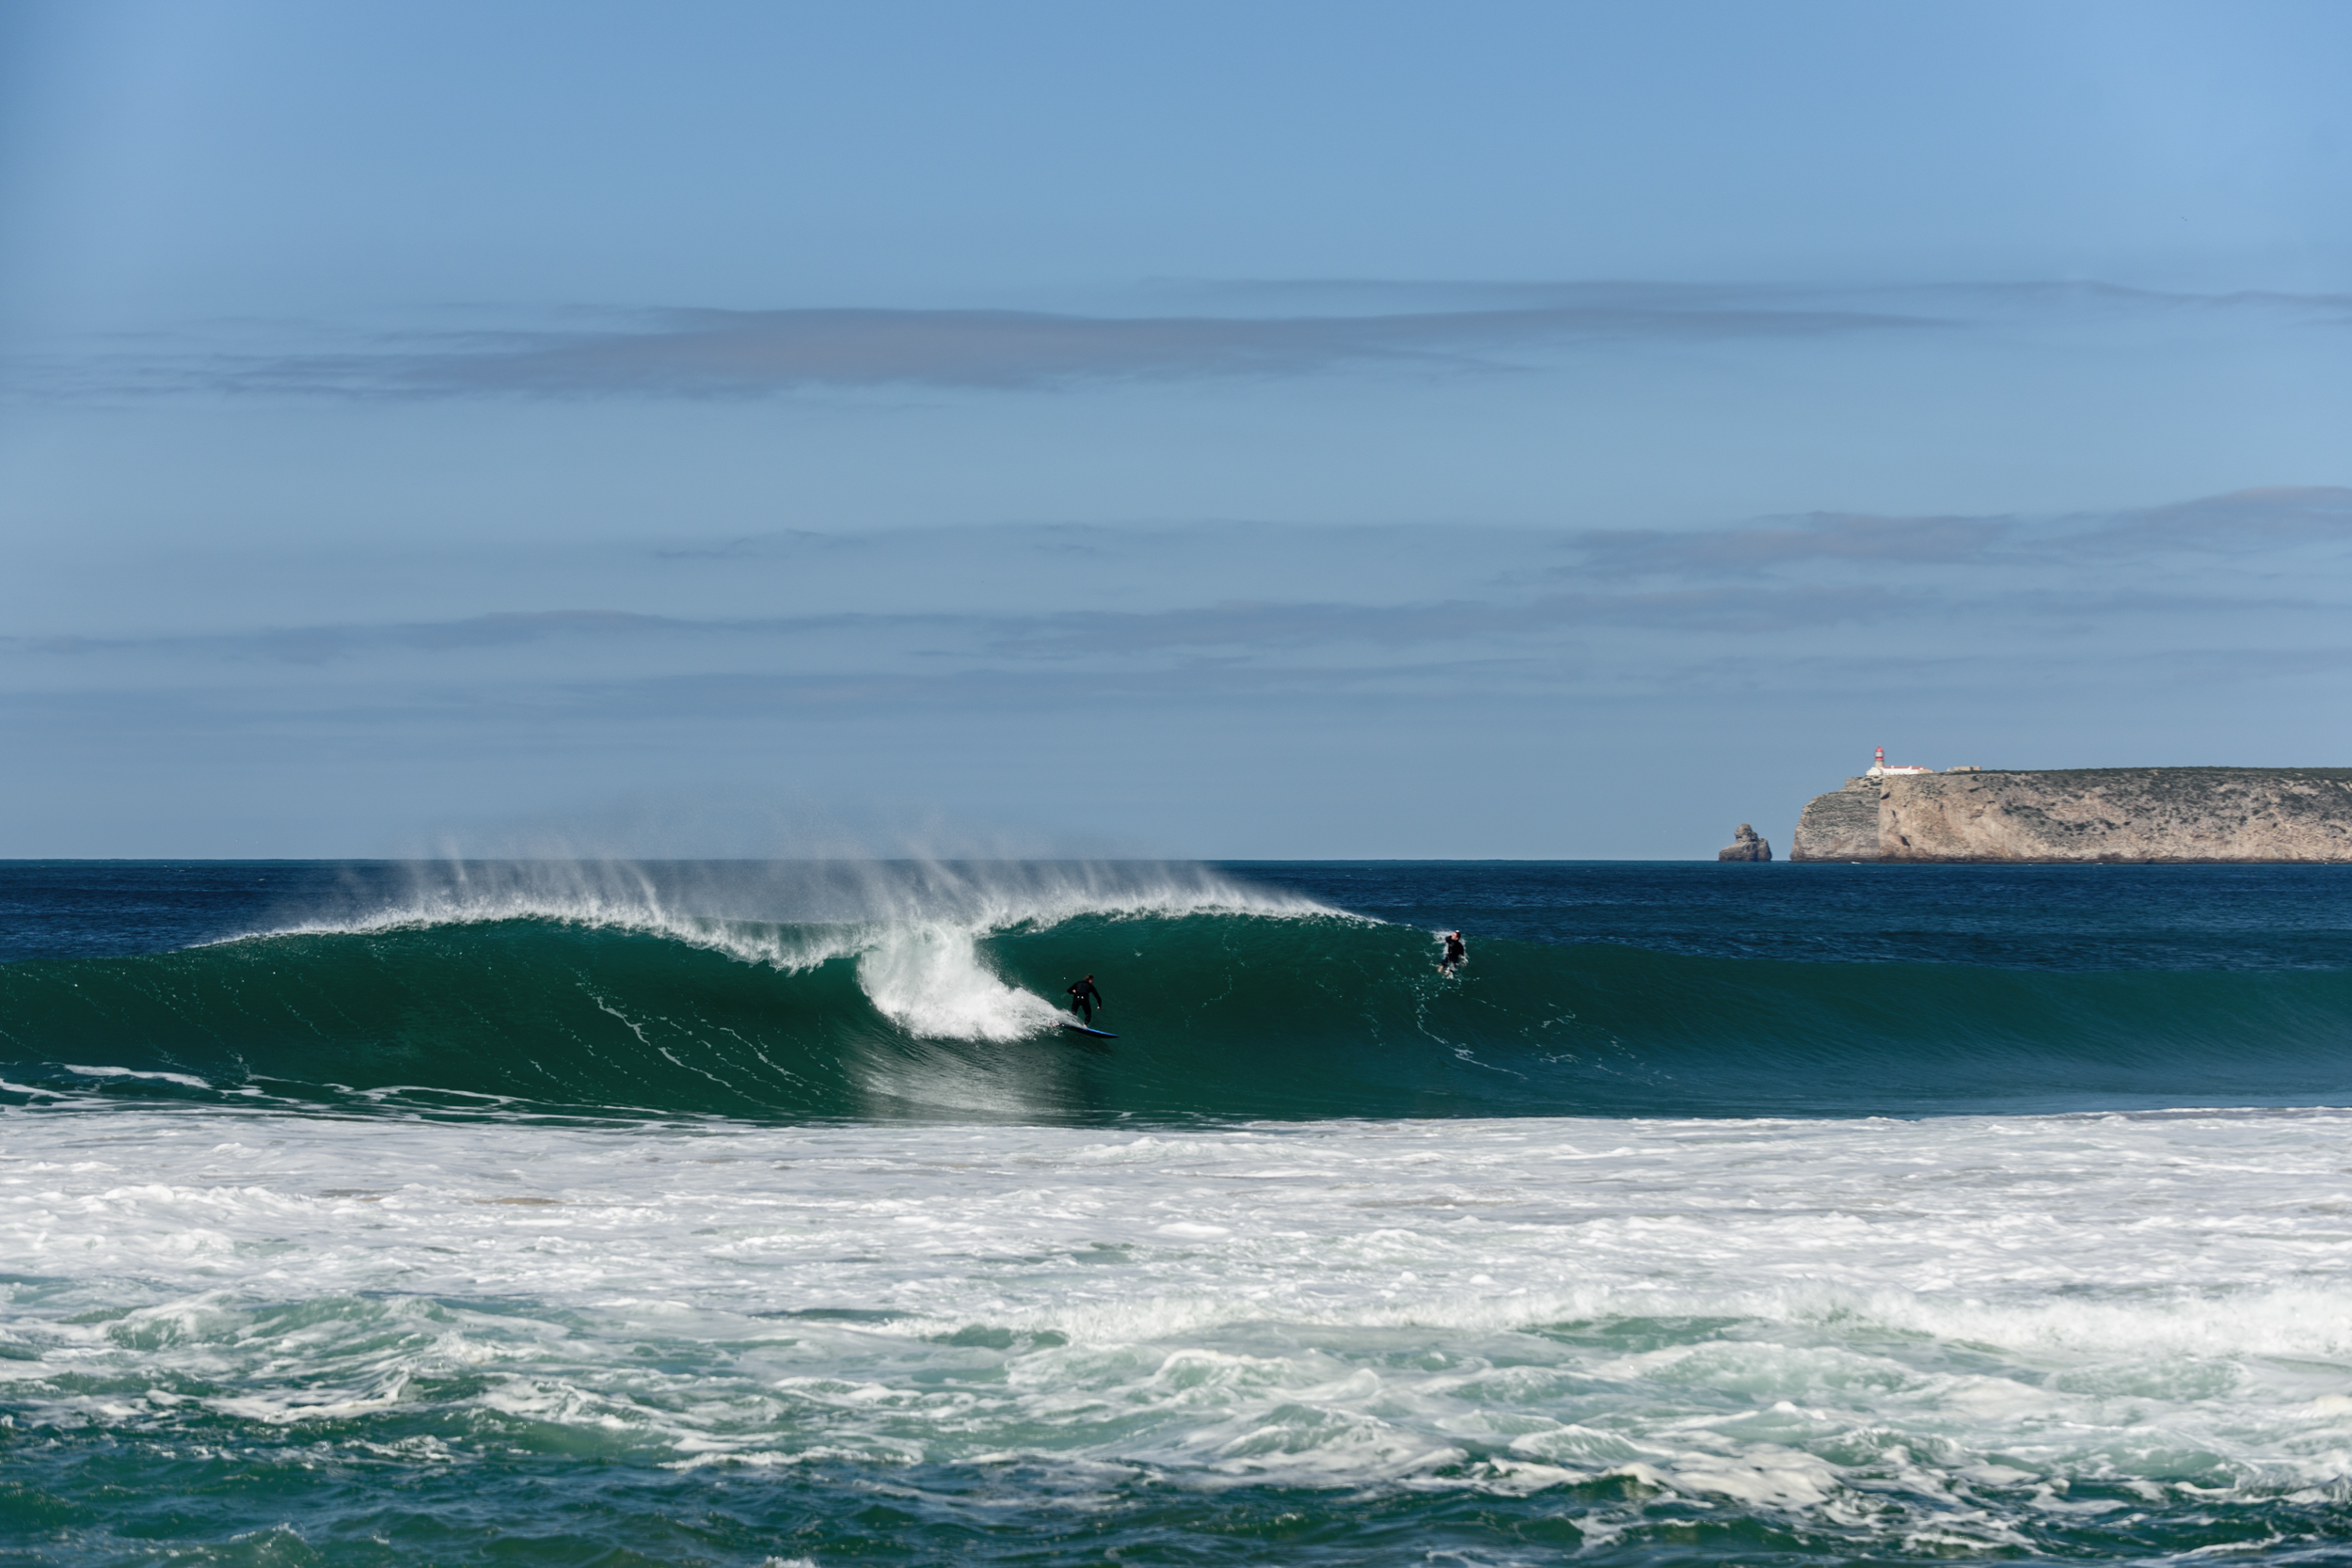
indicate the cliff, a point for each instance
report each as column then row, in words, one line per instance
column 2147, row 815
column 1842, row 826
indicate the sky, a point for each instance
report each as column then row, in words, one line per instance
column 1316, row 431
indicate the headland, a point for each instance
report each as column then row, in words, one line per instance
column 2083, row 815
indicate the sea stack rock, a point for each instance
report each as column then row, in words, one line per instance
column 1745, row 846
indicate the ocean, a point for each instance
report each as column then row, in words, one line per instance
column 760, row 1214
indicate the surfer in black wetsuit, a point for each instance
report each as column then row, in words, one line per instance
column 1457, row 953
column 1083, row 999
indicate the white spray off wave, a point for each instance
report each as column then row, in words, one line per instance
column 931, row 982
column 913, row 924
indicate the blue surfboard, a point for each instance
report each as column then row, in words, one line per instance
column 1090, row 1029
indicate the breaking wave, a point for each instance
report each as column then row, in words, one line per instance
column 848, row 991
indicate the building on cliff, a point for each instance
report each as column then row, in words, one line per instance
column 1879, row 769
column 2092, row 816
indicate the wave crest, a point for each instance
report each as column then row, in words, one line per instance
column 787, row 914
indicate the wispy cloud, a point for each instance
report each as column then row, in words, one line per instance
column 1215, row 330
column 1754, row 548
column 739, row 353
column 2241, row 523
column 1214, row 630
column 1941, row 301
column 323, row 645
column 1266, row 625
column 2224, row 591
column 2244, row 522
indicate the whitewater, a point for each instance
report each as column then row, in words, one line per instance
column 763, row 1216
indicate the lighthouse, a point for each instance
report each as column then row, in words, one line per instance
column 1879, row 769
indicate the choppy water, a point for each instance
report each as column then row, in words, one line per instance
column 759, row 1214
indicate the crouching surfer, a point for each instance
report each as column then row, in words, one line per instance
column 1457, row 954
column 1083, row 999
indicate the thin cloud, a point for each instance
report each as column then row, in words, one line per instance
column 2240, row 523
column 325, row 644
column 1218, row 330
column 739, row 353
column 2224, row 569
column 1268, row 625
column 2069, row 296
column 1756, row 548
column 1249, row 629
column 2243, row 522
column 863, row 697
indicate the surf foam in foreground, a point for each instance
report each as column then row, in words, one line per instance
column 1976, row 1336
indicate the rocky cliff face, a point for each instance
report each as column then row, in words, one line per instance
column 1745, row 846
column 1841, row 826
column 2088, row 815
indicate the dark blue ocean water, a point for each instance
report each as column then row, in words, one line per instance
column 2056, row 917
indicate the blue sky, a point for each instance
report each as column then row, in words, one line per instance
column 1235, row 430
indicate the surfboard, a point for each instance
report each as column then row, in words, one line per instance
column 1090, row 1029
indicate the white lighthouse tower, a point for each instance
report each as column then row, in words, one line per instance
column 1879, row 769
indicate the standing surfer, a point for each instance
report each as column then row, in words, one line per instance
column 1083, row 999
column 1457, row 954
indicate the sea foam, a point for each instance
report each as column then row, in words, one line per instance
column 1898, row 1328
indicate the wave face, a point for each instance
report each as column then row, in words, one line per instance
column 929, row 991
